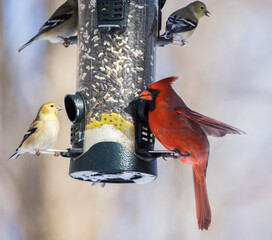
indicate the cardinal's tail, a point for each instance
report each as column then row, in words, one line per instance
column 203, row 210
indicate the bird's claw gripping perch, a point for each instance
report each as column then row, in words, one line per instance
column 179, row 42
column 184, row 42
column 37, row 152
column 65, row 41
column 57, row 154
column 175, row 154
column 170, row 155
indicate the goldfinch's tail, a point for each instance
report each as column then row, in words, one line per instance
column 29, row 42
column 14, row 156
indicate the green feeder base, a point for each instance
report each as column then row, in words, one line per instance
column 110, row 162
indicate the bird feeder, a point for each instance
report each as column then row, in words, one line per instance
column 110, row 135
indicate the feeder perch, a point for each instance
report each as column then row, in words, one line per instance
column 73, row 40
column 110, row 139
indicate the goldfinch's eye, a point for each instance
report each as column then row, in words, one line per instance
column 202, row 8
column 51, row 106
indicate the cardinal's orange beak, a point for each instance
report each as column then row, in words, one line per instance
column 146, row 95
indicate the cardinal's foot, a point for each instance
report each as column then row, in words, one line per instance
column 184, row 155
column 174, row 154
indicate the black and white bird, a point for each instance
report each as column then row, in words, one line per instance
column 182, row 23
column 60, row 26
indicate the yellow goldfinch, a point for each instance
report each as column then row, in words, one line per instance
column 60, row 26
column 42, row 133
column 182, row 23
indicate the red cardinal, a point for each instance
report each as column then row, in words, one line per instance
column 180, row 129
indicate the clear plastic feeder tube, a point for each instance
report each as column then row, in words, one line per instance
column 114, row 69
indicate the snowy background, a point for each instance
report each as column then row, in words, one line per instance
column 225, row 72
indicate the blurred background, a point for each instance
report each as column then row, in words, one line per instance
column 225, row 73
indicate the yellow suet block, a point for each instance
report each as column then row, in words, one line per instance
column 116, row 120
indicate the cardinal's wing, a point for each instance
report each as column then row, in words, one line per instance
column 209, row 125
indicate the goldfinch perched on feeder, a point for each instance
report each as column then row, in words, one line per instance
column 60, row 26
column 42, row 133
column 182, row 23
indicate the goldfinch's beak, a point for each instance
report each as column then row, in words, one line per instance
column 146, row 95
column 206, row 12
column 59, row 108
